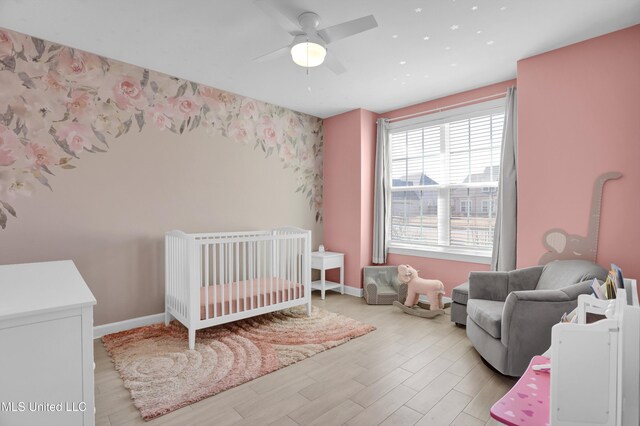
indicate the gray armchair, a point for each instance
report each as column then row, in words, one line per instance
column 510, row 314
column 381, row 285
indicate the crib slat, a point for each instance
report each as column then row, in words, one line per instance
column 259, row 275
column 251, row 250
column 230, row 275
column 290, row 267
column 206, row 280
column 244, row 275
column 213, row 280
column 237, row 280
column 221, row 264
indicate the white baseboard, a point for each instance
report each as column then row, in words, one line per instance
column 114, row 327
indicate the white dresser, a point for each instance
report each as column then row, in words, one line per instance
column 46, row 345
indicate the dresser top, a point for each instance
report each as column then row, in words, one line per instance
column 32, row 288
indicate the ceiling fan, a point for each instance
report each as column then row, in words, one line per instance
column 309, row 45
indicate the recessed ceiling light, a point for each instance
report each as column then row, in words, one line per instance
column 454, row 27
column 394, row 36
column 426, row 76
column 490, row 42
column 474, row 8
column 447, row 48
column 403, row 83
column 425, row 38
column 503, row 8
column 454, row 64
column 418, row 10
column 479, row 32
column 407, row 75
column 403, row 62
column 395, row 79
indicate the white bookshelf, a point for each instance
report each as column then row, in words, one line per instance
column 595, row 368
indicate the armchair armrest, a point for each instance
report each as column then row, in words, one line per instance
column 488, row 285
column 525, row 278
column 528, row 317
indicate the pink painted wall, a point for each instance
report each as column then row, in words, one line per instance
column 349, row 143
column 342, row 177
column 579, row 116
column 368, row 130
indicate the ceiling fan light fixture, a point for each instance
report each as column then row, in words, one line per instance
column 307, row 53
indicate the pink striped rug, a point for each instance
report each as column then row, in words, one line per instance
column 163, row 375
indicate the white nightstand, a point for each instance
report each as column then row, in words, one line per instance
column 323, row 261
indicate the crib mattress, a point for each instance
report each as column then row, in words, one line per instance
column 266, row 292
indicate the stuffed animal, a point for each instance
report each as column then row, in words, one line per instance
column 433, row 289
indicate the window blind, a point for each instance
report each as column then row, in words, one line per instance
column 444, row 181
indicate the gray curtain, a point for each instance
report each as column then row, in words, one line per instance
column 503, row 257
column 381, row 194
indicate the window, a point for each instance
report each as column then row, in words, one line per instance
column 444, row 179
column 486, row 206
column 465, row 207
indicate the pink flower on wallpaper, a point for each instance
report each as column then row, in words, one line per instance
column 249, row 109
column 220, row 102
column 160, row 116
column 75, row 65
column 128, row 93
column 80, row 103
column 240, row 130
column 53, row 81
column 294, row 128
column 78, row 136
column 185, row 106
column 267, row 130
column 38, row 155
column 287, row 153
column 6, row 43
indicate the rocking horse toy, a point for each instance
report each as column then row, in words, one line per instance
column 416, row 286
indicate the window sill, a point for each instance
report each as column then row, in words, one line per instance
column 442, row 253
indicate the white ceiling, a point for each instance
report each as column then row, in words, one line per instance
column 213, row 42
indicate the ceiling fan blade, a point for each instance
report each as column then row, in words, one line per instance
column 334, row 64
column 347, row 29
column 278, row 53
column 288, row 23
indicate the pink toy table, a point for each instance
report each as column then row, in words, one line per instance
column 527, row 403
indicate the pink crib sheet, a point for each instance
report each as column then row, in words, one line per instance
column 266, row 291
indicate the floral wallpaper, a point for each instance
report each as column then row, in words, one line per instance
column 58, row 104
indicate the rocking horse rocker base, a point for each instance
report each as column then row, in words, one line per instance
column 418, row 311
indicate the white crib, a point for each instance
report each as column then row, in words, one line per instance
column 212, row 279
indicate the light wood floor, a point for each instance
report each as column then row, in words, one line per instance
column 409, row 371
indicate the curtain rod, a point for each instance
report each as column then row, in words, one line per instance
column 415, row 114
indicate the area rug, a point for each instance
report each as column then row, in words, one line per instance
column 163, row 375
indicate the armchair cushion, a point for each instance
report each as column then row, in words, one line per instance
column 561, row 273
column 488, row 285
column 487, row 314
column 460, row 294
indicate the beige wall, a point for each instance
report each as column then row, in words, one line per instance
column 109, row 215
